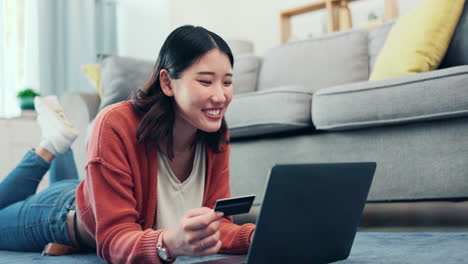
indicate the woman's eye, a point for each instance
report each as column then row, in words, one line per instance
column 227, row 83
column 204, row 82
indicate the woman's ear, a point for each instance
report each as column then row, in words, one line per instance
column 166, row 82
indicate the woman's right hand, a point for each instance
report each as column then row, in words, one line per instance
column 197, row 234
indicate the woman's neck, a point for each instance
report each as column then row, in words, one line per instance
column 183, row 137
column 181, row 145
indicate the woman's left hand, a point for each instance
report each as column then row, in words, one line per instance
column 197, row 234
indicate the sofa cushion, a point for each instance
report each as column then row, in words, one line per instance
column 240, row 46
column 438, row 94
column 334, row 59
column 93, row 74
column 120, row 76
column 245, row 73
column 429, row 27
column 267, row 112
column 457, row 52
column 377, row 39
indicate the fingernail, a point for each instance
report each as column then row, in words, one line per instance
column 219, row 214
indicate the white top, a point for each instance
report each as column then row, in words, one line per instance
column 175, row 198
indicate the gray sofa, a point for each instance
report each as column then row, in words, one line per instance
column 309, row 101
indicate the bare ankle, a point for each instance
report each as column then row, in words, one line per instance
column 44, row 153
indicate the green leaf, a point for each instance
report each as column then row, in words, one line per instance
column 27, row 93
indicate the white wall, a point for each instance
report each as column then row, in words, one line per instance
column 258, row 20
column 255, row 20
column 142, row 26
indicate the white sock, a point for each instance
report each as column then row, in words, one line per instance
column 57, row 132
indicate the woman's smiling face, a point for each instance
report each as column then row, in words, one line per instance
column 202, row 93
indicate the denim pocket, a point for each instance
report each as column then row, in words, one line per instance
column 48, row 211
column 40, row 208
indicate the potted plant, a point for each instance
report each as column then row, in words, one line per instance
column 26, row 98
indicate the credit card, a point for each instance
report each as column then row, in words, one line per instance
column 234, row 205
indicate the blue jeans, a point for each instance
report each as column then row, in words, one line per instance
column 29, row 221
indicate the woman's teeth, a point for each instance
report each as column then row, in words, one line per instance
column 213, row 112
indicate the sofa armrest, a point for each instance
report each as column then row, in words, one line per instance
column 439, row 94
column 81, row 108
column 84, row 102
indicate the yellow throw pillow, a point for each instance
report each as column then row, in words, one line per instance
column 93, row 73
column 419, row 39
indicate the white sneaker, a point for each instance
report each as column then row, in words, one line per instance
column 58, row 133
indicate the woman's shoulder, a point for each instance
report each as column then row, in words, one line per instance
column 118, row 109
column 114, row 130
column 119, row 112
column 116, row 119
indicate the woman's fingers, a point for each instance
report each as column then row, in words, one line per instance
column 203, row 233
column 197, row 211
column 199, row 232
column 207, row 246
column 214, row 250
column 201, row 222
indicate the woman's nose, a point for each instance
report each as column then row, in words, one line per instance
column 219, row 96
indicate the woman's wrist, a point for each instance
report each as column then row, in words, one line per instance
column 167, row 243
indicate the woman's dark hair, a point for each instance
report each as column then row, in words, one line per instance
column 182, row 48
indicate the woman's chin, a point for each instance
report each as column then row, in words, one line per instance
column 211, row 128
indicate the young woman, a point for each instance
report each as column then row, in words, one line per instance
column 158, row 162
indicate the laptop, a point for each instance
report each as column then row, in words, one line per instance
column 310, row 214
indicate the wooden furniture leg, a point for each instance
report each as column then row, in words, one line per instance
column 345, row 19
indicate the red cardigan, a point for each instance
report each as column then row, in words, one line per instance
column 117, row 199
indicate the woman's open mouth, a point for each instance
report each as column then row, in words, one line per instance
column 213, row 113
